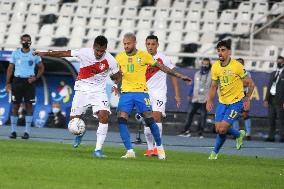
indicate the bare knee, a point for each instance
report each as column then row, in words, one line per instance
column 122, row 115
column 103, row 116
column 157, row 117
column 222, row 127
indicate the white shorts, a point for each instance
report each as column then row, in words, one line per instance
column 158, row 104
column 82, row 100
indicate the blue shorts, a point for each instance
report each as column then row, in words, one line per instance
column 129, row 100
column 228, row 112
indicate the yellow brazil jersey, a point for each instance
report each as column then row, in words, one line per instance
column 133, row 69
column 230, row 81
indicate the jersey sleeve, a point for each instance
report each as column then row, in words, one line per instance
column 168, row 62
column 13, row 57
column 76, row 52
column 113, row 65
column 37, row 59
column 149, row 60
column 240, row 70
column 214, row 74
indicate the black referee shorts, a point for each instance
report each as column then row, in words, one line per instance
column 23, row 91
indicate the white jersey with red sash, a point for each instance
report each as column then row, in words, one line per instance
column 93, row 73
column 157, row 83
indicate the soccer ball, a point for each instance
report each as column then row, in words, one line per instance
column 76, row 126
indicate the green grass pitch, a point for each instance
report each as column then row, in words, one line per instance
column 42, row 165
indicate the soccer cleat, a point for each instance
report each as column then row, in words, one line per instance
column 148, row 153
column 13, row 135
column 129, row 155
column 239, row 141
column 26, row 136
column 77, row 141
column 155, row 152
column 213, row 156
column 99, row 154
column 161, row 153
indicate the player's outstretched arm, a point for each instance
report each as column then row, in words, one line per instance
column 211, row 94
column 248, row 82
column 177, row 93
column 173, row 72
column 116, row 77
column 53, row 53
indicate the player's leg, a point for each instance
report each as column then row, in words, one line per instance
column 247, row 120
column 78, row 108
column 236, row 124
column 203, row 117
column 101, row 108
column 17, row 96
column 125, row 106
column 29, row 98
column 191, row 112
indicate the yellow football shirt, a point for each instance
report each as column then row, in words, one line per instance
column 230, row 81
column 133, row 70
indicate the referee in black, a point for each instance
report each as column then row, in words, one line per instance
column 21, row 81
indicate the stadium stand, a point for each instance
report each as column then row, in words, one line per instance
column 175, row 21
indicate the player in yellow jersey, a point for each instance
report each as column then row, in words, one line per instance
column 134, row 93
column 229, row 75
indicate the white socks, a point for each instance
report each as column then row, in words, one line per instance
column 149, row 137
column 101, row 135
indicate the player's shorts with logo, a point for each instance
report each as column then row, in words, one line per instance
column 129, row 100
column 83, row 99
column 158, row 103
column 23, row 91
column 228, row 112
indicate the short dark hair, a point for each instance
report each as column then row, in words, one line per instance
column 26, row 35
column 152, row 37
column 224, row 43
column 206, row 59
column 100, row 40
column 280, row 57
column 241, row 61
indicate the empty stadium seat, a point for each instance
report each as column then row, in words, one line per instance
column 6, row 6
column 142, row 34
column 146, row 12
column 67, row 9
column 85, row 2
column 79, row 21
column 194, row 14
column 32, row 29
column 192, row 25
column 112, row 22
column 3, row 27
column 177, row 13
column 261, row 7
column 46, row 30
column 62, row 31
column 259, row 17
column 15, row 28
column 162, row 13
column 196, row 4
column 180, row 4
column 160, row 24
column 207, row 48
column 116, row 11
column 111, row 33
column 115, row 3
column 173, row 47
column 208, row 37
column 130, row 12
column 83, row 10
column 271, row 52
column 225, row 27
column 132, row 3
column 176, row 25
column 64, row 20
column 144, row 23
column 209, row 26
column 111, row 46
column 18, row 17
column 51, row 8
column 175, row 36
column 98, row 11
column 36, row 8
column 191, row 37
column 4, row 17
column 78, row 32
column 93, row 32
column 243, row 16
column 161, row 34
column 210, row 15
column 96, row 22
column 242, row 28
column 33, row 18
column 2, row 37
column 245, row 6
column 13, row 39
column 75, row 42
column 100, row 2
column 212, row 4
column 277, row 8
column 163, row 3
column 127, row 23
column 227, row 15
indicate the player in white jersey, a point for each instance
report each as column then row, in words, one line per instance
column 90, row 86
column 157, row 85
